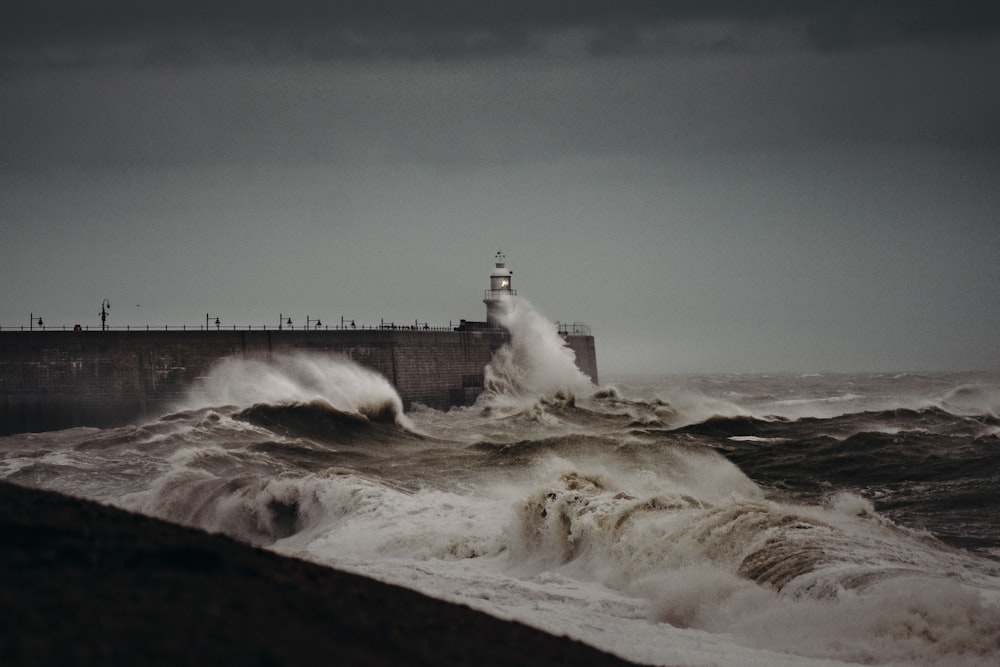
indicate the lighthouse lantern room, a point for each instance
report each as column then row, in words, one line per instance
column 500, row 286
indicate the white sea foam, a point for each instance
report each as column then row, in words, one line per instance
column 631, row 538
column 821, row 396
column 656, row 569
column 297, row 378
column 536, row 362
column 973, row 400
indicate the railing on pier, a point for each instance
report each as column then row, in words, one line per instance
column 574, row 329
column 415, row 326
column 565, row 329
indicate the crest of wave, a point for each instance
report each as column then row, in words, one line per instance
column 536, row 361
column 973, row 400
column 298, row 378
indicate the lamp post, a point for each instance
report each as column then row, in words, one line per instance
column 315, row 322
column 217, row 322
column 31, row 322
column 105, row 307
column 281, row 318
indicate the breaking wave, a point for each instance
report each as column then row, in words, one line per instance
column 536, row 362
column 839, row 581
column 298, row 379
column 758, row 520
column 973, row 399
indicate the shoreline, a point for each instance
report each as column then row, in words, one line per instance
column 84, row 583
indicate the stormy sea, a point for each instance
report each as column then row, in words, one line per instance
column 812, row 519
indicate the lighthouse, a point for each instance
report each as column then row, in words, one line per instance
column 499, row 287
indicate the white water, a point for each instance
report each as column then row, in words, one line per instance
column 662, row 552
column 296, row 378
column 697, row 398
column 536, row 362
column 663, row 586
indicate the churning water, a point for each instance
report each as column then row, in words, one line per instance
column 696, row 520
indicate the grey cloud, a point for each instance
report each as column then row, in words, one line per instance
column 504, row 110
column 853, row 25
column 814, row 204
column 65, row 33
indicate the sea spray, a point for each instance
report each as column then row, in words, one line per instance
column 979, row 399
column 536, row 362
column 299, row 378
column 609, row 523
column 774, row 574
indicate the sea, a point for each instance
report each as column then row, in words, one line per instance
column 742, row 519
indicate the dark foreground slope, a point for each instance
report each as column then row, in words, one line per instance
column 82, row 583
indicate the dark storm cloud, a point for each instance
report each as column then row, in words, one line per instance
column 70, row 33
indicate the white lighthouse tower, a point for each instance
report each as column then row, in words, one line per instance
column 499, row 287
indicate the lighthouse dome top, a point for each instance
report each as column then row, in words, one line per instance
column 501, row 267
column 501, row 271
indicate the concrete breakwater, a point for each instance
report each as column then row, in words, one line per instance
column 59, row 379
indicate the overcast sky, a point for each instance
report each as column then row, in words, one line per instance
column 711, row 186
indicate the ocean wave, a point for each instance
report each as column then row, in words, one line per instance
column 912, row 619
column 298, row 379
column 721, row 565
column 255, row 509
column 318, row 419
column 727, row 427
column 527, row 452
column 931, row 419
column 621, row 520
column 823, row 396
column 973, row 399
column 535, row 363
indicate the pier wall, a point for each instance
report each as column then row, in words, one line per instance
column 59, row 379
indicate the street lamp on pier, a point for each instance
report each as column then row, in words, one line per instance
column 31, row 322
column 315, row 322
column 217, row 322
column 105, row 307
